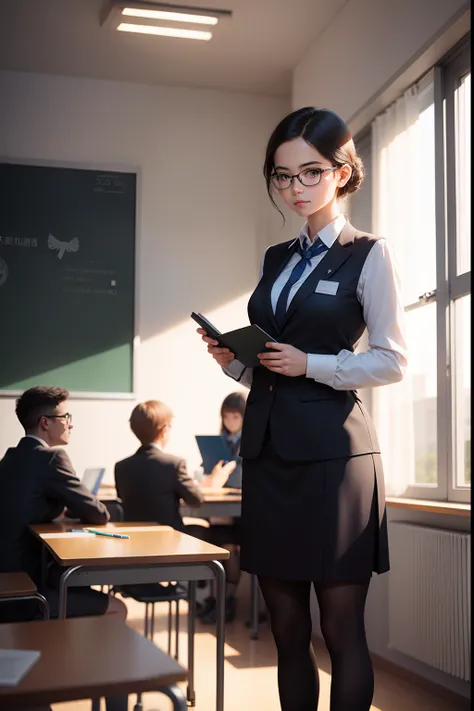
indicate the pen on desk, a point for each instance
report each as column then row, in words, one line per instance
column 105, row 533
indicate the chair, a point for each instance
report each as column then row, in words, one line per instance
column 18, row 587
column 150, row 594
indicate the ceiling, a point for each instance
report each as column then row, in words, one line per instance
column 255, row 51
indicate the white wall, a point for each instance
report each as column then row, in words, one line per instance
column 367, row 45
column 203, row 223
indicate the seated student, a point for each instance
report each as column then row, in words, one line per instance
column 37, row 484
column 151, row 483
column 232, row 419
column 225, row 533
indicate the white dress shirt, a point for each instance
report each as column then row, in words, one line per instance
column 378, row 291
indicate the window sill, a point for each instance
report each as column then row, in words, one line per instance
column 443, row 507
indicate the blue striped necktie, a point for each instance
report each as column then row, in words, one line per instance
column 318, row 247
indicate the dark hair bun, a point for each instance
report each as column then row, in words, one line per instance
column 357, row 176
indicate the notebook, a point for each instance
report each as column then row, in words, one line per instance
column 92, row 479
column 15, row 663
column 245, row 342
column 213, row 450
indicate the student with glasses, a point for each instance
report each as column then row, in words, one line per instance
column 37, row 484
column 313, row 510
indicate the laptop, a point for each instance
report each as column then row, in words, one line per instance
column 92, row 479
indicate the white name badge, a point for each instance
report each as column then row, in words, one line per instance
column 327, row 287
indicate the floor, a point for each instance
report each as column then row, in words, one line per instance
column 250, row 672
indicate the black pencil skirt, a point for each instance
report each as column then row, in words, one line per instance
column 323, row 521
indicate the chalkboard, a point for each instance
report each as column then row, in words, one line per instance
column 67, row 278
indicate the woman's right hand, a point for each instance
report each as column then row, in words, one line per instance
column 223, row 356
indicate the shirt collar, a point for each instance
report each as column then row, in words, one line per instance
column 41, row 441
column 328, row 235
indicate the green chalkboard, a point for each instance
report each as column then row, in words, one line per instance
column 67, row 278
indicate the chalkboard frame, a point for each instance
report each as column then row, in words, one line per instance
column 101, row 167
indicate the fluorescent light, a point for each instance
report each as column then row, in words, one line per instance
column 164, row 31
column 171, row 16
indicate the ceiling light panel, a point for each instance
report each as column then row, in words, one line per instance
column 165, row 31
column 162, row 19
column 170, row 16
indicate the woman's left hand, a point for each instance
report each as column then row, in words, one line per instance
column 287, row 360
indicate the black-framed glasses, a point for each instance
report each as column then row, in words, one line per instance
column 309, row 178
column 67, row 416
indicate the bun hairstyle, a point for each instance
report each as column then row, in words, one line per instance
column 324, row 130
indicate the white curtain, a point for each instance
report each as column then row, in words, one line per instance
column 400, row 168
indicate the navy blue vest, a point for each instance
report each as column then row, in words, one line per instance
column 308, row 420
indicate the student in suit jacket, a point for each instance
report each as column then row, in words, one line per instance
column 37, row 484
column 151, row 482
column 313, row 509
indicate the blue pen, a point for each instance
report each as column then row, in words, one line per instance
column 104, row 533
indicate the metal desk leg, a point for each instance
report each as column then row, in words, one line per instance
column 44, row 566
column 190, row 692
column 176, row 649
column 177, row 697
column 43, row 604
column 254, row 607
column 220, row 630
column 63, row 591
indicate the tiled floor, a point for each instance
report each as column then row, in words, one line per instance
column 250, row 673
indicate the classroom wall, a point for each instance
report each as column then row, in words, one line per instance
column 365, row 48
column 203, row 224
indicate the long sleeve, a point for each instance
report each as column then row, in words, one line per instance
column 237, row 371
column 385, row 361
column 186, row 488
column 63, row 485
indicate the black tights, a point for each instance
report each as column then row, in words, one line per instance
column 341, row 607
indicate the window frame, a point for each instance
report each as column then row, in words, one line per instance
column 450, row 286
column 448, row 75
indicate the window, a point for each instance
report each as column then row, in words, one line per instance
column 419, row 175
column 455, row 87
column 462, row 392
